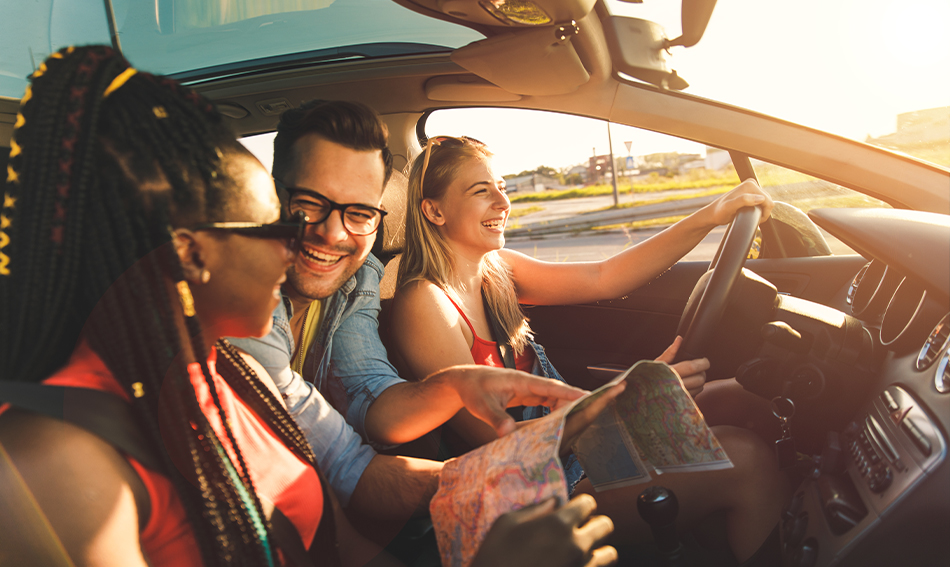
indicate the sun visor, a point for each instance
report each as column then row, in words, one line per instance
column 466, row 88
column 638, row 48
column 534, row 62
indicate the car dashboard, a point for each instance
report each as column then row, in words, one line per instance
column 880, row 492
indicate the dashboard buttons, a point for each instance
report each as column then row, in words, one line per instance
column 917, row 437
column 879, row 478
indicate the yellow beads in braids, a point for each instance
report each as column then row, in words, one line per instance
column 9, row 201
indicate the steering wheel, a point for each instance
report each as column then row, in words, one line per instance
column 709, row 297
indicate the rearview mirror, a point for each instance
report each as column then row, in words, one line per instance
column 638, row 48
column 694, row 16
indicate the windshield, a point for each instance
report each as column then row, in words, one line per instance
column 869, row 70
column 181, row 37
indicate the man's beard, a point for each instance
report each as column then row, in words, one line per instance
column 313, row 288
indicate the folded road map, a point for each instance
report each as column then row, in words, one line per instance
column 653, row 424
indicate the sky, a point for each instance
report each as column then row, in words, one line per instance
column 845, row 66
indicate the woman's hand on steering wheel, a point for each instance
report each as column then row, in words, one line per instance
column 746, row 194
column 691, row 372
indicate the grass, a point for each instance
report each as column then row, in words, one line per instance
column 642, row 224
column 798, row 194
column 716, row 191
column 655, row 187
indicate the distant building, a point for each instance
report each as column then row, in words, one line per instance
column 581, row 172
column 717, row 159
column 531, row 183
column 598, row 168
column 917, row 130
column 692, row 165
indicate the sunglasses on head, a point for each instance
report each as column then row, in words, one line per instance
column 448, row 141
column 291, row 231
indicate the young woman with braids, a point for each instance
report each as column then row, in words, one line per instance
column 118, row 180
column 454, row 265
column 136, row 233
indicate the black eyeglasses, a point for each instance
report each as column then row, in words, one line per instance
column 290, row 231
column 358, row 219
column 448, row 141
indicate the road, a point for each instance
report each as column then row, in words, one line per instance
column 556, row 210
column 596, row 245
column 560, row 232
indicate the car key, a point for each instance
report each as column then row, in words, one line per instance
column 784, row 408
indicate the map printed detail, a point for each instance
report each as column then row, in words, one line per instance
column 515, row 471
column 654, row 424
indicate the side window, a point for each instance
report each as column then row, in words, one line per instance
column 561, row 183
column 262, row 146
column 796, row 193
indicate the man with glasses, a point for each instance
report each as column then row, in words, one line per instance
column 331, row 162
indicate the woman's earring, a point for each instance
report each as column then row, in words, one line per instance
column 205, row 276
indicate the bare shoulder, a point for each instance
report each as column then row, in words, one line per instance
column 61, row 482
column 423, row 299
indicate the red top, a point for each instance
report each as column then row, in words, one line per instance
column 487, row 353
column 278, row 474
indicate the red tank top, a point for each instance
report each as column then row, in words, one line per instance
column 278, row 474
column 487, row 353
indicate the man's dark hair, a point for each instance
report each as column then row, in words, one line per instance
column 350, row 124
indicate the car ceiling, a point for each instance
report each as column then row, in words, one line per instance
column 400, row 88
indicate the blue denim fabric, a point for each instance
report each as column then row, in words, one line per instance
column 347, row 360
column 573, row 471
column 357, row 363
column 339, row 450
column 349, row 366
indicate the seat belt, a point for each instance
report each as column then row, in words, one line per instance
column 109, row 417
column 103, row 414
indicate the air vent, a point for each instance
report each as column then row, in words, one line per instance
column 856, row 282
column 934, row 343
column 942, row 378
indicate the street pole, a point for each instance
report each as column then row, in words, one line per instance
column 613, row 167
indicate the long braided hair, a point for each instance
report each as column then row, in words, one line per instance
column 104, row 160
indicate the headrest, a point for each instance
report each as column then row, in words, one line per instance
column 391, row 236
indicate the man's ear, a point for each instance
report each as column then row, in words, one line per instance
column 431, row 210
column 190, row 254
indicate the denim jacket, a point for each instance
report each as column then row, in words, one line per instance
column 572, row 467
column 350, row 313
column 347, row 360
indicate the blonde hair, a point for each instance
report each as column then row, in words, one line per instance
column 427, row 256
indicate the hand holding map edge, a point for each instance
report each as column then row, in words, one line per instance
column 543, row 534
column 691, row 372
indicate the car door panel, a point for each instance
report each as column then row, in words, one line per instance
column 585, row 342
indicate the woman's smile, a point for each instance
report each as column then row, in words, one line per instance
column 496, row 224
